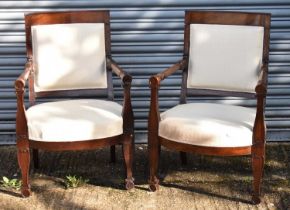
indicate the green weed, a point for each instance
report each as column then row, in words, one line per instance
column 74, row 181
column 10, row 183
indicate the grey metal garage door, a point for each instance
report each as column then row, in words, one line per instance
column 147, row 36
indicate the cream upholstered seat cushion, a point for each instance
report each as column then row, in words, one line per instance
column 206, row 124
column 74, row 120
column 225, row 57
column 69, row 56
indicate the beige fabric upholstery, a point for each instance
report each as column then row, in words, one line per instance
column 69, row 56
column 205, row 124
column 74, row 120
column 225, row 57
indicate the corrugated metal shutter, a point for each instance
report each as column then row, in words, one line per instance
column 147, row 37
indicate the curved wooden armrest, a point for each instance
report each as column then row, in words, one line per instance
column 259, row 130
column 261, row 87
column 154, row 115
column 125, row 77
column 21, row 121
column 21, row 80
column 156, row 79
column 127, row 113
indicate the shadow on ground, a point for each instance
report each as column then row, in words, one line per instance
column 205, row 182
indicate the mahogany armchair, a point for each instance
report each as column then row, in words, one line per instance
column 69, row 55
column 225, row 53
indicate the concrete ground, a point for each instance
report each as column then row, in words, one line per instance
column 205, row 183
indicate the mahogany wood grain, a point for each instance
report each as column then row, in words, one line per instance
column 226, row 18
column 257, row 149
column 75, row 145
column 24, row 143
column 218, row 151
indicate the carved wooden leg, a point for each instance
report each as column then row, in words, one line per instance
column 257, row 166
column 183, row 158
column 113, row 154
column 153, row 140
column 128, row 157
column 23, row 155
column 153, row 164
column 35, row 158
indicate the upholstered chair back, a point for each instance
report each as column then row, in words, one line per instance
column 69, row 56
column 225, row 57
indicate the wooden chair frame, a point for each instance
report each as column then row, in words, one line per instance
column 24, row 144
column 257, row 150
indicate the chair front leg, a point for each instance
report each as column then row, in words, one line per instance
column 128, row 125
column 153, row 162
column 258, row 158
column 23, row 155
column 154, row 147
column 128, row 157
column 258, row 148
column 23, row 152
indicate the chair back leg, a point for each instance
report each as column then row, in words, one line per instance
column 113, row 154
column 183, row 158
column 35, row 158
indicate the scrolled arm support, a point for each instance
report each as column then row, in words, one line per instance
column 154, row 115
column 261, row 87
column 259, row 130
column 21, row 80
column 21, row 121
column 154, row 118
column 127, row 112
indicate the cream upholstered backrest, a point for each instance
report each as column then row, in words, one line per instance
column 69, row 56
column 225, row 57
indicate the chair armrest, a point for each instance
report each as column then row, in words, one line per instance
column 154, row 115
column 21, row 80
column 156, row 79
column 259, row 130
column 125, row 77
column 21, row 121
column 261, row 87
column 127, row 112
